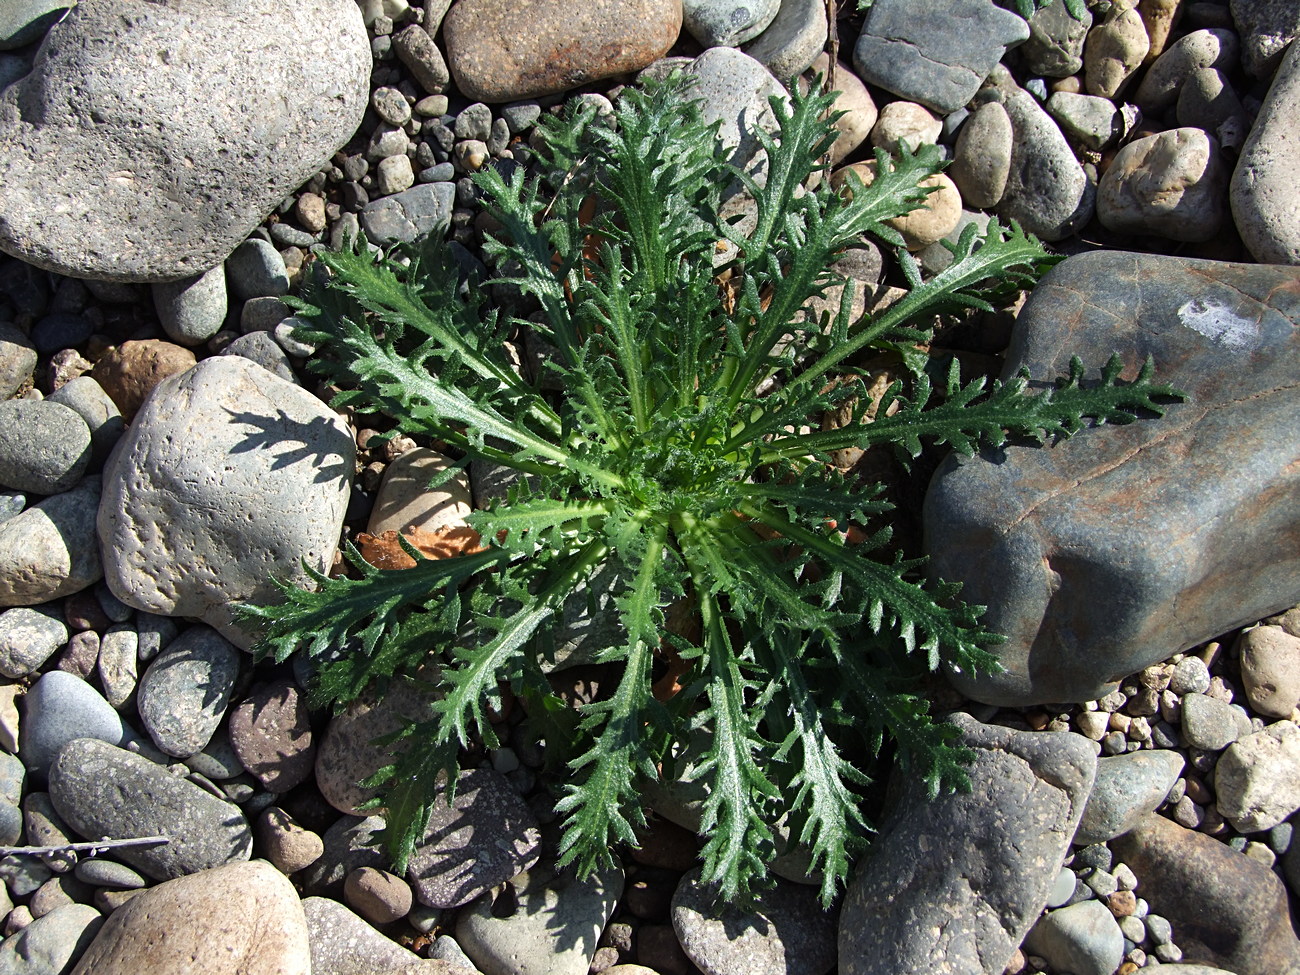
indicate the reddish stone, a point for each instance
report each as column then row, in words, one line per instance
column 129, row 372
column 270, row 731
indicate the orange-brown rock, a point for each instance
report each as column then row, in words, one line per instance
column 386, row 552
column 130, row 371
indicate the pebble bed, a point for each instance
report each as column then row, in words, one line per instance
column 129, row 706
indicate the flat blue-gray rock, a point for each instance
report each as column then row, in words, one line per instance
column 956, row 882
column 177, row 126
column 935, row 53
column 1106, row 553
column 102, row 790
column 1127, row 788
column 59, row 708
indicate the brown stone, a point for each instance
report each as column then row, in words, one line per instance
column 270, row 731
column 1227, row 909
column 129, row 372
column 499, row 50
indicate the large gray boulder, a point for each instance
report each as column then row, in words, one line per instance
column 229, row 478
column 954, row 883
column 153, row 135
column 1103, row 554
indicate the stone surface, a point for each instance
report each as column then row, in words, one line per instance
column 727, row 23
column 958, row 881
column 1055, row 45
column 17, row 359
column 1266, row 28
column 102, row 790
column 982, row 156
column 270, row 732
column 1115, row 49
column 377, row 895
column 342, row 943
column 418, row 212
column 88, row 400
column 854, row 101
column 735, row 90
column 500, row 51
column 239, row 919
column 192, row 309
column 1172, row 184
column 24, row 21
column 1046, row 191
column 240, row 476
column 785, row 930
column 1208, row 723
column 1265, row 197
column 186, row 689
column 1270, row 670
column 404, row 499
column 1127, row 788
column 483, row 839
column 28, row 638
column 937, row 54
column 1227, row 910
column 289, row 845
column 50, row 944
column 1165, row 79
column 928, row 223
column 349, row 843
column 129, row 372
column 1032, row 533
column 49, row 550
column 1083, row 939
column 905, row 123
column 60, row 707
column 1258, row 778
column 44, row 447
column 790, row 43
column 149, row 107
column 1087, row 121
column 553, row 929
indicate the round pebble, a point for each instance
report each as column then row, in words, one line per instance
column 377, row 895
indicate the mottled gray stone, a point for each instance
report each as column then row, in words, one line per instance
column 118, row 666
column 1089, row 121
column 1127, row 788
column 1208, row 723
column 343, row 943
column 352, row 842
column 263, row 349
column 99, row 872
column 1265, row 196
column 186, row 689
column 418, row 212
column 552, row 931
column 59, row 708
column 102, row 790
column 17, row 359
column 1172, row 184
column 789, row 44
column 483, row 839
column 1164, row 80
column 1047, row 191
column 981, row 161
column 1257, row 780
column 192, row 309
column 149, row 107
column 44, row 446
column 735, row 90
column 87, row 398
column 240, row 475
column 1055, row 45
column 727, row 23
column 1083, row 939
column 1266, row 28
column 255, row 269
column 51, row 943
column 936, row 54
column 49, row 550
column 957, row 881
column 784, row 930
column 28, row 638
column 1085, row 596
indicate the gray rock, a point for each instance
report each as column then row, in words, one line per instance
column 1055, row 45
column 119, row 665
column 1115, row 49
column 728, row 23
column 735, row 90
column 416, row 49
column 1032, row 533
column 44, row 447
column 1172, row 184
column 13, row 67
column 793, row 40
column 1208, row 723
column 1208, row 100
column 52, row 942
column 1047, row 191
column 1266, row 28
column 1270, row 670
column 937, row 54
column 263, row 349
column 342, row 943
column 240, row 476
column 351, row 843
column 1257, row 779
column 24, row 21
column 1190, row 676
column 1127, row 788
column 23, row 875
column 17, row 359
column 60, row 330
column 150, row 107
column 982, row 156
column 784, row 930
column 49, row 550
column 99, row 872
column 552, row 931
column 87, row 398
column 1165, row 78
column 1088, row 121
column 957, row 881
column 192, row 309
column 255, row 269
column 28, row 638
column 186, row 689
column 102, row 790
column 60, row 708
column 486, row 836
column 1083, row 939
column 1265, row 195
column 415, row 213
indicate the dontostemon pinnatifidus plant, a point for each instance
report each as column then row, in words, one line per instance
column 659, row 458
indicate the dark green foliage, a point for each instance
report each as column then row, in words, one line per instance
column 661, row 460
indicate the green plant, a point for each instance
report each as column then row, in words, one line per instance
column 660, row 458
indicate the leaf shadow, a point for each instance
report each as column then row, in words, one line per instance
column 322, row 443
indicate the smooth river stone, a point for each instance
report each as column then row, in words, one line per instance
column 1265, row 195
column 1108, row 552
